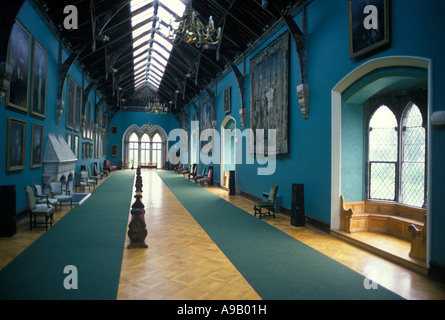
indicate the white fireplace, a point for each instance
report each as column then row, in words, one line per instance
column 59, row 163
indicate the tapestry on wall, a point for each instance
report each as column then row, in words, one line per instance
column 269, row 98
column 208, row 120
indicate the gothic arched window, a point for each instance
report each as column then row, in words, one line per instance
column 396, row 155
column 412, row 184
column 383, row 146
column 133, row 149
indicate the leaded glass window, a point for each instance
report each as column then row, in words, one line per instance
column 157, row 150
column 413, row 158
column 133, row 150
column 383, row 142
column 145, row 149
column 396, row 156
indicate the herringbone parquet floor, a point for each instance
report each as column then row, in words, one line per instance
column 182, row 262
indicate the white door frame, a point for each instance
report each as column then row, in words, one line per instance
column 223, row 124
column 336, row 101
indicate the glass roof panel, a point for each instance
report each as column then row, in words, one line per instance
column 151, row 49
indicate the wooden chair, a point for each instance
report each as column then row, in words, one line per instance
column 207, row 179
column 180, row 168
column 42, row 210
column 203, row 175
column 194, row 172
column 268, row 204
column 187, row 171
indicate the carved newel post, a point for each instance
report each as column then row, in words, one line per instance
column 137, row 228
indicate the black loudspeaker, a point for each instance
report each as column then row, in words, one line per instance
column 232, row 189
column 298, row 218
column 8, row 222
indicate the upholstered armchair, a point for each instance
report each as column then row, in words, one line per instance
column 91, row 177
column 58, row 193
column 44, row 198
column 38, row 210
column 86, row 178
column 207, row 179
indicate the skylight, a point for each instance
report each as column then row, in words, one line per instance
column 151, row 47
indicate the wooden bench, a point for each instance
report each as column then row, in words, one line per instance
column 149, row 165
column 395, row 219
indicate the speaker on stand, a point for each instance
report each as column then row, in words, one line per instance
column 298, row 218
column 8, row 222
column 232, row 189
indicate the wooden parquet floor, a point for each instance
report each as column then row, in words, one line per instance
column 183, row 263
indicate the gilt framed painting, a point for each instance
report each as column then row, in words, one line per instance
column 369, row 26
column 15, row 146
column 38, row 81
column 19, row 53
column 36, row 146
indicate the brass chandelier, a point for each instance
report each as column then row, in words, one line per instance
column 156, row 107
column 192, row 30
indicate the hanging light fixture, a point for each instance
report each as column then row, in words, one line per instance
column 156, row 107
column 193, row 31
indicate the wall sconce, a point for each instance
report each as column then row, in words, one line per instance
column 438, row 118
column 59, row 109
column 242, row 115
column 303, row 98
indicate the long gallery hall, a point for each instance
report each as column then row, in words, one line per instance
column 222, row 150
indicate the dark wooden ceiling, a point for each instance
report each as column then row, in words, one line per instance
column 103, row 42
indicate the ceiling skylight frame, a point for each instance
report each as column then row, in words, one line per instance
column 151, row 46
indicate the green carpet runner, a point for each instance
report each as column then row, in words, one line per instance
column 83, row 249
column 276, row 265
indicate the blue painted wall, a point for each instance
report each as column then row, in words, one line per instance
column 40, row 31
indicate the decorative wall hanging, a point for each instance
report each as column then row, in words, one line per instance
column 369, row 27
column 269, row 94
column 36, row 146
column 208, row 116
column 38, row 81
column 15, row 150
column 227, row 100
column 19, row 48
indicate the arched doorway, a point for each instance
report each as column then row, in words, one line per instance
column 349, row 97
column 228, row 148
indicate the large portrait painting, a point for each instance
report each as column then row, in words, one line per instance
column 15, row 149
column 19, row 47
column 38, row 81
column 368, row 26
column 36, row 146
column 269, row 96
